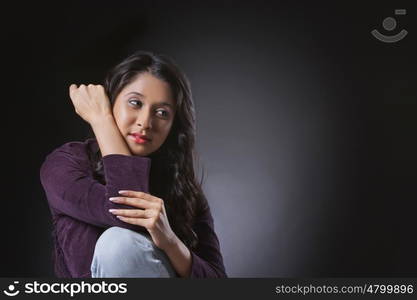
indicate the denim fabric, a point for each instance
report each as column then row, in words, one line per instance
column 121, row 252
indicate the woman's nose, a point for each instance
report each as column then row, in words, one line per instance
column 145, row 120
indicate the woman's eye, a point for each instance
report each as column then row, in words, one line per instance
column 135, row 102
column 162, row 113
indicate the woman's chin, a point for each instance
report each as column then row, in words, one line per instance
column 139, row 152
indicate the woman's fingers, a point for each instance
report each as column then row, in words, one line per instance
column 143, row 195
column 90, row 101
column 133, row 213
column 72, row 88
column 135, row 221
column 136, row 202
column 86, row 89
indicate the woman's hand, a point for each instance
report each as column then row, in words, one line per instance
column 90, row 102
column 151, row 215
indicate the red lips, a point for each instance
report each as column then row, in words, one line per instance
column 141, row 136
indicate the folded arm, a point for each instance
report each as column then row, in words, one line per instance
column 71, row 190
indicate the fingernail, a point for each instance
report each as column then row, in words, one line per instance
column 112, row 210
column 113, row 199
column 122, row 192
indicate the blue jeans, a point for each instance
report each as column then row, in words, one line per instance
column 121, row 252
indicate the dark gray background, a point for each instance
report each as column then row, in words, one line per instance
column 306, row 125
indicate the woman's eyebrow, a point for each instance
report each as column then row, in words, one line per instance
column 139, row 94
column 135, row 93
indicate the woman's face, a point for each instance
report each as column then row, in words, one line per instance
column 145, row 107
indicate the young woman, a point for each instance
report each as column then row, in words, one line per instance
column 126, row 202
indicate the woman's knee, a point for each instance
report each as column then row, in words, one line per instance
column 117, row 240
column 120, row 252
column 117, row 244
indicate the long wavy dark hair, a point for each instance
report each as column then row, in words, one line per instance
column 172, row 176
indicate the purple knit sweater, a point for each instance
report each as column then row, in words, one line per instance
column 79, row 206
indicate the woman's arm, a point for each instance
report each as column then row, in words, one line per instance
column 206, row 261
column 108, row 136
column 92, row 104
column 180, row 258
column 66, row 177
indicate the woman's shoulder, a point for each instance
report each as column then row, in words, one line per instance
column 68, row 158
column 203, row 209
column 75, row 149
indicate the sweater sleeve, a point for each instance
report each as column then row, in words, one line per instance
column 207, row 260
column 71, row 190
